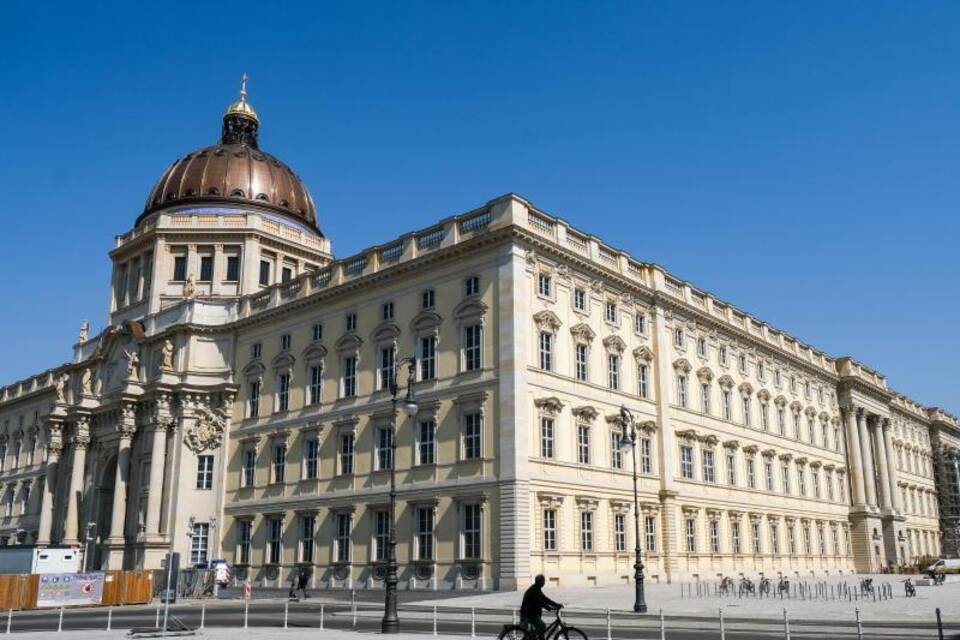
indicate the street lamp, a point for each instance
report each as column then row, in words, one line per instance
column 88, row 540
column 629, row 439
column 391, row 622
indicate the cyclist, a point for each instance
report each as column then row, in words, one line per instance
column 534, row 604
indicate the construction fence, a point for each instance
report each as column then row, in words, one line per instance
column 33, row 591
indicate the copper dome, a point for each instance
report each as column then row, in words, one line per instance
column 235, row 171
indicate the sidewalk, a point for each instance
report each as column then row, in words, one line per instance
column 229, row 634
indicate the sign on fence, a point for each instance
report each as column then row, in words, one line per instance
column 57, row 589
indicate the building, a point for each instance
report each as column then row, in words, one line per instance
column 238, row 405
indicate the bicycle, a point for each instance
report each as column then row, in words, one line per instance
column 556, row 630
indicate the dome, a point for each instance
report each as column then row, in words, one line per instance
column 235, row 171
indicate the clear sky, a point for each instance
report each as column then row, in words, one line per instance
column 798, row 159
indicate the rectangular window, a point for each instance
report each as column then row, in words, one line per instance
column 284, row 342
column 616, row 452
column 264, row 273
column 613, row 371
column 307, row 527
column 472, row 515
column 619, row 532
column 610, row 312
column 274, row 538
column 801, row 482
column 249, row 466
column 471, row 347
column 283, row 392
column 678, row 337
column 544, row 285
column 549, row 530
column 686, row 462
column 384, row 450
column 579, row 299
column 387, row 366
column 731, row 469
column 583, row 444
column 709, row 468
column 256, row 350
column 286, row 274
column 206, row 268
column 768, row 471
column 791, row 540
column 786, row 478
column 650, row 531
column 714, row 536
column 691, row 527
column 781, row 421
column 586, row 531
column 775, row 538
column 747, row 420
column 580, row 357
column 346, row 453
column 702, row 347
column 546, row 351
column 253, row 403
column 726, row 396
column 755, row 532
column 425, row 533
column 317, row 332
column 244, row 530
column 233, row 268
column 428, row 357
column 427, row 299
column 764, row 416
column 705, row 397
column 198, row 543
column 387, row 311
column 471, row 286
column 646, row 455
column 643, row 381
column 351, row 322
column 472, row 436
column 279, row 463
column 311, row 466
column 381, row 541
column 179, row 268
column 682, row 391
column 722, row 355
column 427, row 442
column 349, row 385
column 315, row 384
column 640, row 323
column 735, row 536
column 342, row 541
column 546, row 438
column 205, row 472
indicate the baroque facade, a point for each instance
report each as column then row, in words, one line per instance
column 238, row 405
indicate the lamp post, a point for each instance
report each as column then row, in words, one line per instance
column 629, row 439
column 391, row 622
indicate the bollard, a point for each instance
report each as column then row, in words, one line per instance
column 60, row 621
column 723, row 632
column 203, row 615
column 246, row 613
column 608, row 624
column 786, row 625
column 354, row 615
column 434, row 619
column 663, row 629
column 156, row 623
column 109, row 617
column 939, row 625
column 9, row 619
column 321, row 617
column 473, row 622
column 286, row 614
column 859, row 626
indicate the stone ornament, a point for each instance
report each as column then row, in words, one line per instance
column 84, row 331
column 189, row 287
column 166, row 363
column 207, row 430
column 85, row 379
column 133, row 364
column 60, row 386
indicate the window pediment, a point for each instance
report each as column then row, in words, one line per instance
column 582, row 333
column 349, row 342
column 425, row 322
column 283, row 360
column 746, row 388
column 314, row 353
column 470, row 309
column 385, row 332
column 780, row 401
column 764, row 395
column 547, row 320
column 254, row 369
column 614, row 344
column 643, row 353
column 726, row 382
column 551, row 405
column 683, row 365
column 704, row 374
column 585, row 413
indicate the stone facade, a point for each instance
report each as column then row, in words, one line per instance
column 246, row 414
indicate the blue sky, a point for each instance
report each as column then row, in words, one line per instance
column 799, row 160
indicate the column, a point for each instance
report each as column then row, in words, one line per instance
column 892, row 478
column 54, row 448
column 853, row 453
column 158, row 461
column 869, row 477
column 883, row 469
column 119, row 516
column 81, row 441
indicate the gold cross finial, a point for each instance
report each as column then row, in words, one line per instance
column 243, row 87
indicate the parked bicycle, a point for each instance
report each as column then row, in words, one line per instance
column 764, row 586
column 556, row 630
column 726, row 585
column 783, row 585
column 747, row 587
column 866, row 586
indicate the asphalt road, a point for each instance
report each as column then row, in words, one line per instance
column 451, row 620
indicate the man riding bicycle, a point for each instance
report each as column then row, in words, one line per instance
column 534, row 604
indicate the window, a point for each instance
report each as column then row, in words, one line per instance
column 682, row 390
column 610, row 312
column 198, row 543
column 307, row 527
column 646, row 455
column 714, row 536
column 619, row 532
column 427, row 299
column 709, row 471
column 793, row 384
column 806, row 539
column 742, row 363
column 349, row 383
column 768, row 471
column 249, row 466
column 755, row 534
column 776, row 378
column 643, row 381
column 253, row 402
column 782, row 421
column 764, row 416
column 312, row 459
column 747, row 420
column 546, row 351
column 785, row 469
column 381, row 540
column 425, row 533
column 727, row 399
column 722, row 355
column 841, row 490
column 801, row 482
column 264, row 272
column 387, row 311
column 616, row 452
column 472, row 433
column 317, row 332
column 791, row 540
column 735, row 536
column 204, row 472
column 678, row 337
column 580, row 362
column 274, row 537
column 731, row 468
column 179, row 268
column 244, row 530
column 471, row 347
column 387, row 368
column 549, row 530
column 546, row 437
column 427, row 442
column 761, row 371
column 751, row 474
column 686, row 462
column 579, row 299
column 313, row 392
column 702, row 347
column 342, row 542
column 544, row 285
column 824, row 435
column 583, row 444
column 815, row 481
column 691, row 527
column 586, row 531
column 705, row 397
column 613, row 371
column 471, row 286
column 383, row 448
column 285, row 342
column 233, row 268
column 472, row 518
column 650, row 531
column 351, row 322
column 346, row 453
column 279, row 463
column 256, row 350
column 286, row 273
column 428, row 357
column 775, row 538
column 206, row 268
column 283, row 392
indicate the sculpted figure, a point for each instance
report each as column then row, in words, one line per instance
column 133, row 364
column 85, row 382
column 84, row 331
column 167, row 353
column 60, row 386
column 189, row 288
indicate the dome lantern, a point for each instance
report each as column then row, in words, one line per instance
column 240, row 122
